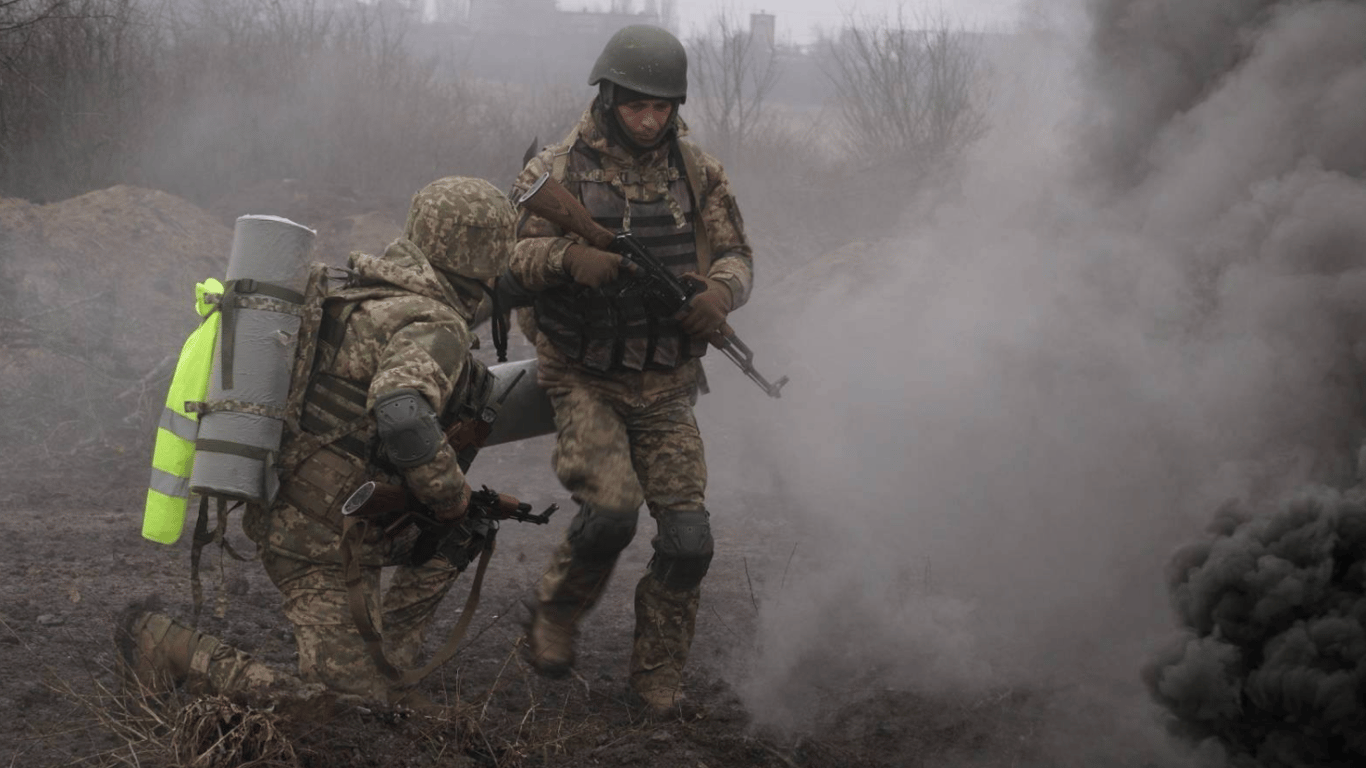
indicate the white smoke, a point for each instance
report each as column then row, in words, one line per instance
column 1147, row 298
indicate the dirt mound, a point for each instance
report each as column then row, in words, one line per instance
column 96, row 297
column 344, row 220
column 111, row 272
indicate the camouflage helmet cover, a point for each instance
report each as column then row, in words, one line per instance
column 464, row 225
column 645, row 59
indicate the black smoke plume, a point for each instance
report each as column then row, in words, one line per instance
column 1271, row 666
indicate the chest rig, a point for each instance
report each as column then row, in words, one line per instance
column 339, row 434
column 613, row 327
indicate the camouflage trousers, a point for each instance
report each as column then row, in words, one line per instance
column 302, row 559
column 623, row 440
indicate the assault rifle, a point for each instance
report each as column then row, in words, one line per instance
column 665, row 292
column 460, row 541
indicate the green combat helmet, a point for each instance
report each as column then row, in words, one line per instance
column 646, row 59
column 464, row 225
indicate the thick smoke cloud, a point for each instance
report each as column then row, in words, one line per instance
column 1272, row 666
column 1258, row 165
column 1146, row 299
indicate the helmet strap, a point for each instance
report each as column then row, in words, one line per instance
column 498, row 321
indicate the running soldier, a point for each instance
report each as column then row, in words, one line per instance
column 623, row 381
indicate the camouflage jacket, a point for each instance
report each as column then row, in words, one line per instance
column 405, row 327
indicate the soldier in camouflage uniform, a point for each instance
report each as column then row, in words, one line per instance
column 623, row 382
column 393, row 371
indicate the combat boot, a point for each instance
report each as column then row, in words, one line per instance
column 155, row 651
column 665, row 621
column 549, row 640
column 659, row 696
column 569, row 588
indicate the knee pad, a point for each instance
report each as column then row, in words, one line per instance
column 683, row 548
column 596, row 536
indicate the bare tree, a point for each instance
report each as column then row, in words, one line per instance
column 906, row 94
column 734, row 71
column 70, row 79
column 18, row 14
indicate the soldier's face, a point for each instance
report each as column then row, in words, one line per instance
column 644, row 120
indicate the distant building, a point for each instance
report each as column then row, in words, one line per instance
column 763, row 30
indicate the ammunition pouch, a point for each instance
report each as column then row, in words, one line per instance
column 619, row 331
column 320, row 484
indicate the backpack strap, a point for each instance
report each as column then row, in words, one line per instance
column 691, row 155
column 323, row 325
column 559, row 154
column 316, row 292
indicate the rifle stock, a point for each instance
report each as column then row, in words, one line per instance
column 549, row 199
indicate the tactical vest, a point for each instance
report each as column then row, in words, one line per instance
column 613, row 328
column 337, row 442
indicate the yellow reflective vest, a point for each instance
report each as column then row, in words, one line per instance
column 168, row 492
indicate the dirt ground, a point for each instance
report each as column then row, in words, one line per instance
column 70, row 567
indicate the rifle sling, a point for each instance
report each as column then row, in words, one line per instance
column 353, row 533
column 447, row 650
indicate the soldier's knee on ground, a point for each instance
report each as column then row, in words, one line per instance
column 683, row 548
column 595, row 535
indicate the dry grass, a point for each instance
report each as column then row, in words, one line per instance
column 147, row 728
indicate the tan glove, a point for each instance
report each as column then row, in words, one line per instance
column 707, row 311
column 590, row 266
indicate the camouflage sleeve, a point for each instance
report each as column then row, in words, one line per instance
column 538, row 258
column 732, row 260
column 425, row 351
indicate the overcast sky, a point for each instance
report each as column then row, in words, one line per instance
column 797, row 18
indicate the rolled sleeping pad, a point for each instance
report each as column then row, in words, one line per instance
column 241, row 423
column 525, row 411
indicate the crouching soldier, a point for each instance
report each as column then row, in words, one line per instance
column 393, row 373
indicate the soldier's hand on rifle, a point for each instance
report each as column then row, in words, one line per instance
column 591, row 266
column 707, row 311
